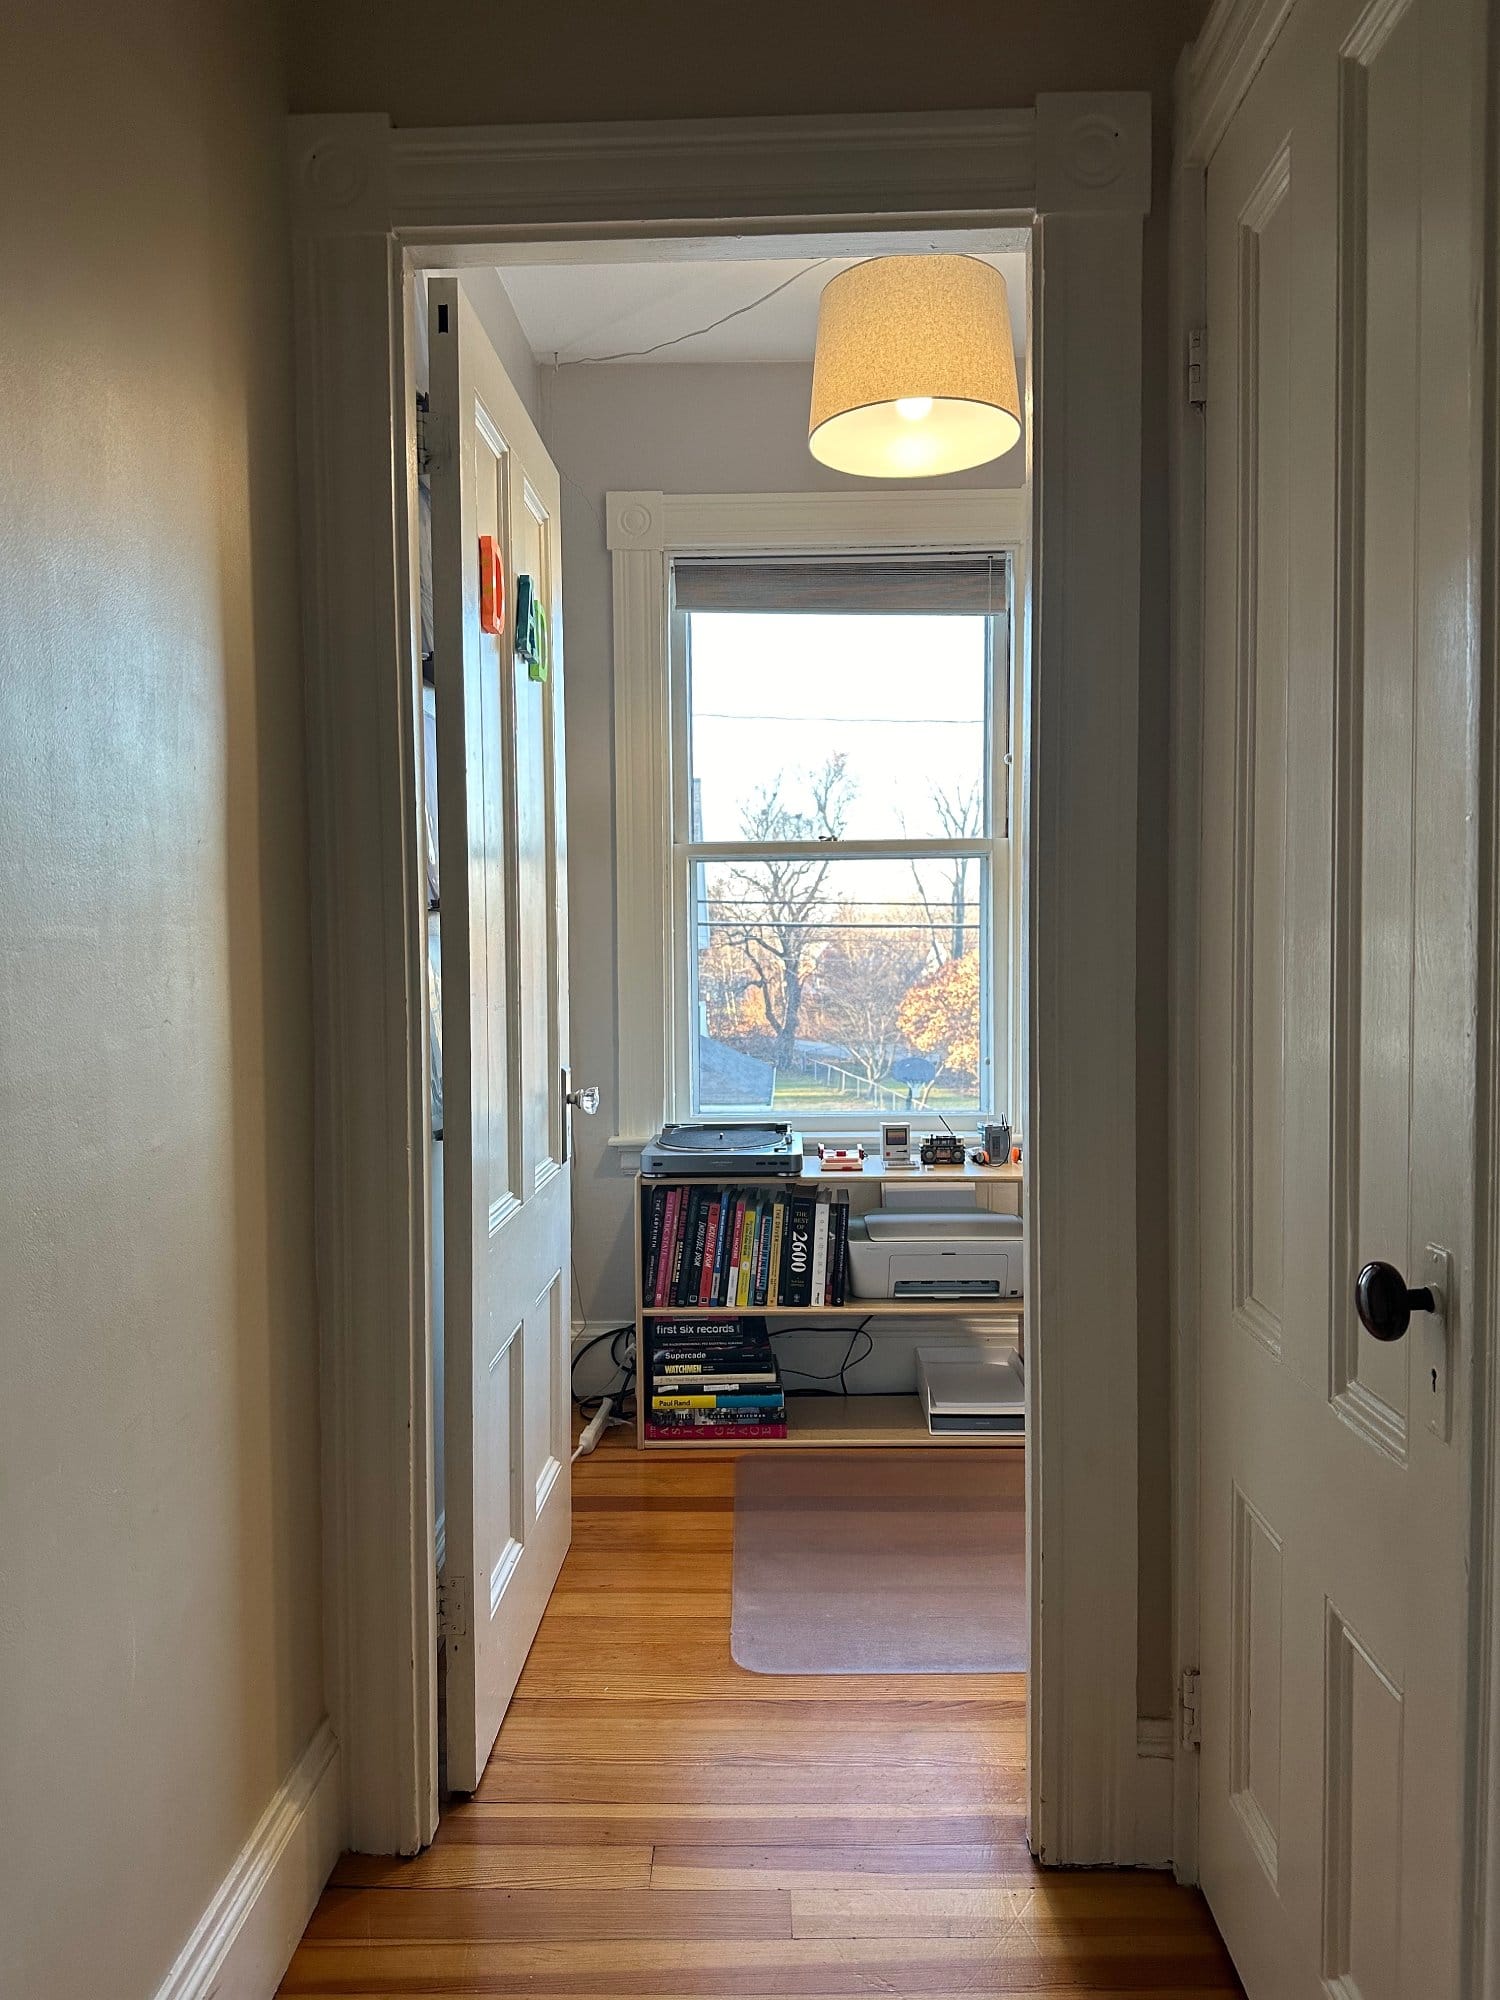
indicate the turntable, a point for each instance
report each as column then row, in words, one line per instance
column 723, row 1149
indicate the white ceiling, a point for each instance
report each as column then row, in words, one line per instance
column 594, row 311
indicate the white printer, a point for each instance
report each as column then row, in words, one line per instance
column 912, row 1252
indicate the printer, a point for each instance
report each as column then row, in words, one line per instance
column 936, row 1253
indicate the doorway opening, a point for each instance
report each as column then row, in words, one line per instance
column 841, row 687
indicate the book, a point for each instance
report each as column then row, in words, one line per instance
column 711, row 1399
column 749, row 1219
column 743, row 1385
column 796, row 1288
column 773, row 1273
column 736, row 1227
column 656, row 1210
column 686, row 1222
column 838, row 1277
column 709, row 1261
column 660, row 1433
column 818, row 1283
column 668, row 1247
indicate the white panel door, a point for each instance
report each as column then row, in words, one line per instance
column 1337, row 993
column 507, row 1219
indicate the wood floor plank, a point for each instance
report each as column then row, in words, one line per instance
column 657, row 1822
column 836, row 1866
column 449, row 1864
column 755, row 1823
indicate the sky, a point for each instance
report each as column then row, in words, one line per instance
column 902, row 695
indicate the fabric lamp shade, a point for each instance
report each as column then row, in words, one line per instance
column 914, row 373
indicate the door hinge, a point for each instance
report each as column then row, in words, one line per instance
column 1189, row 1721
column 424, row 440
column 452, row 1612
column 1197, row 367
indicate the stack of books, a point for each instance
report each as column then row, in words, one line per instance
column 713, row 1379
column 737, row 1247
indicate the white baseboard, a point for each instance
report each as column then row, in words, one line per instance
column 1155, row 1747
column 244, row 1940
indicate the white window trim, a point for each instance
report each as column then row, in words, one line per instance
column 646, row 531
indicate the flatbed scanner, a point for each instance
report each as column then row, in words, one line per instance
column 932, row 1253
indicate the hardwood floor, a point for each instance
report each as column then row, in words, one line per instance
column 654, row 1821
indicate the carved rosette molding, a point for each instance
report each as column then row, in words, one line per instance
column 341, row 174
column 1093, row 153
column 634, row 521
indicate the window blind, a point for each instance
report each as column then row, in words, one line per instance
column 955, row 586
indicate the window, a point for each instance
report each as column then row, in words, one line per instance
column 840, row 805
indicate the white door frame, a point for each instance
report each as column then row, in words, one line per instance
column 1212, row 81
column 370, row 205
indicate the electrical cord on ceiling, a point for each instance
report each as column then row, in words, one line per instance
column 640, row 353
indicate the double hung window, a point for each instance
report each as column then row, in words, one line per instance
column 841, row 822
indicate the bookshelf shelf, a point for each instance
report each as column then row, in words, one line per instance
column 828, row 1422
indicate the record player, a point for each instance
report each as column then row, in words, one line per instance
column 723, row 1149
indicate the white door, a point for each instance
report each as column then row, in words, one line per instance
column 507, row 1220
column 1337, row 993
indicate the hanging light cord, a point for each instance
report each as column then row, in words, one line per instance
column 640, row 353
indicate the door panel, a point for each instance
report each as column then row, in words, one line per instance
column 1337, row 983
column 507, row 1219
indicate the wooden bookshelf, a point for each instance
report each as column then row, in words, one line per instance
column 828, row 1422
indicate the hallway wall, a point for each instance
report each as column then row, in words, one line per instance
column 160, row 1649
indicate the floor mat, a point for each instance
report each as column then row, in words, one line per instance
column 880, row 1563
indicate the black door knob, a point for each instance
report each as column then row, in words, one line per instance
column 1385, row 1303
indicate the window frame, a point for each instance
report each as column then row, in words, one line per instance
column 647, row 532
column 991, row 850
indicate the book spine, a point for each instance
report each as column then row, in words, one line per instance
column 656, row 1207
column 663, row 1274
column 683, row 1263
column 695, row 1248
column 708, row 1264
column 726, row 1249
column 736, row 1223
column 799, row 1252
column 838, row 1279
column 747, row 1247
column 725, row 1433
column 760, row 1399
column 773, row 1273
column 818, row 1284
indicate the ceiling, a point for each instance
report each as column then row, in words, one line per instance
column 597, row 311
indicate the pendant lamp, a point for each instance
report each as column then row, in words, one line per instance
column 914, row 372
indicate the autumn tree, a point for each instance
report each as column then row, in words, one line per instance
column 863, row 978
column 940, row 1018
column 774, row 909
column 961, row 817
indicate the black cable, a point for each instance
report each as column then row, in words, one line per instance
column 624, row 1361
column 839, row 1374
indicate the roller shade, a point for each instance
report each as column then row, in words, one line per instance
column 956, row 586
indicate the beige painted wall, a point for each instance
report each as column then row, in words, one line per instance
column 160, row 1665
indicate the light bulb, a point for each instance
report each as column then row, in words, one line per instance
column 913, row 408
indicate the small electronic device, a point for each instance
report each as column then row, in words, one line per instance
column 895, row 1147
column 974, row 1386
column 995, row 1140
column 936, row 1253
column 942, row 1149
column 841, row 1159
column 723, row 1149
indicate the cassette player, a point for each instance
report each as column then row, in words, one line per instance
column 723, row 1149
